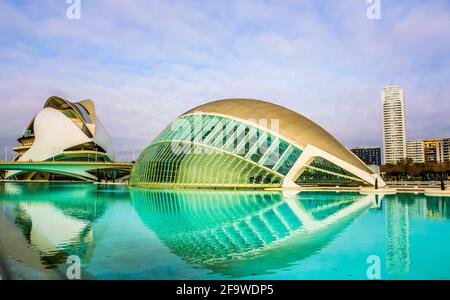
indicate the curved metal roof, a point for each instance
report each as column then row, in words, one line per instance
column 85, row 109
column 292, row 125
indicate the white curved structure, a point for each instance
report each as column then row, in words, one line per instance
column 63, row 131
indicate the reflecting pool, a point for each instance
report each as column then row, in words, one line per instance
column 122, row 233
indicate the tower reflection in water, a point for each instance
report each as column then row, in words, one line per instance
column 398, row 258
column 244, row 233
column 400, row 210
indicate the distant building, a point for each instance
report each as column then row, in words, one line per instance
column 394, row 124
column 434, row 150
column 415, row 151
column 370, row 156
column 446, row 146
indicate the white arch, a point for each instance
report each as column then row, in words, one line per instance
column 311, row 152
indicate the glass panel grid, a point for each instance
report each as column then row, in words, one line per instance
column 166, row 164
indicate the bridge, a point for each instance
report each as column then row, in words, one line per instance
column 77, row 170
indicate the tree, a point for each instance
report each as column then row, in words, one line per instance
column 406, row 168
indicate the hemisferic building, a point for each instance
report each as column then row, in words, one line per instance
column 247, row 143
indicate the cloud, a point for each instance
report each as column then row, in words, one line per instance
column 145, row 62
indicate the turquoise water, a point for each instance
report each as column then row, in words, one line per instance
column 122, row 233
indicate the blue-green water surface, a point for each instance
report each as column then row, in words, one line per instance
column 122, row 233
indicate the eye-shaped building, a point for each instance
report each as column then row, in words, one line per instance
column 62, row 132
column 246, row 143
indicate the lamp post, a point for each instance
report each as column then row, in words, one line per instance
column 6, row 153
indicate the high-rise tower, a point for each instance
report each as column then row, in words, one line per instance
column 394, row 124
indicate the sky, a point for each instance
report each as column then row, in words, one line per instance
column 144, row 62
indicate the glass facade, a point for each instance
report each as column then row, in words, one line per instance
column 323, row 172
column 209, row 150
column 206, row 150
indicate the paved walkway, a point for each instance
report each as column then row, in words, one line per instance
column 427, row 191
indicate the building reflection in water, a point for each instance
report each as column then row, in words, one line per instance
column 397, row 235
column 57, row 219
column 235, row 233
column 400, row 209
column 242, row 233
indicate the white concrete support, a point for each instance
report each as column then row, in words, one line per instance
column 311, row 152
